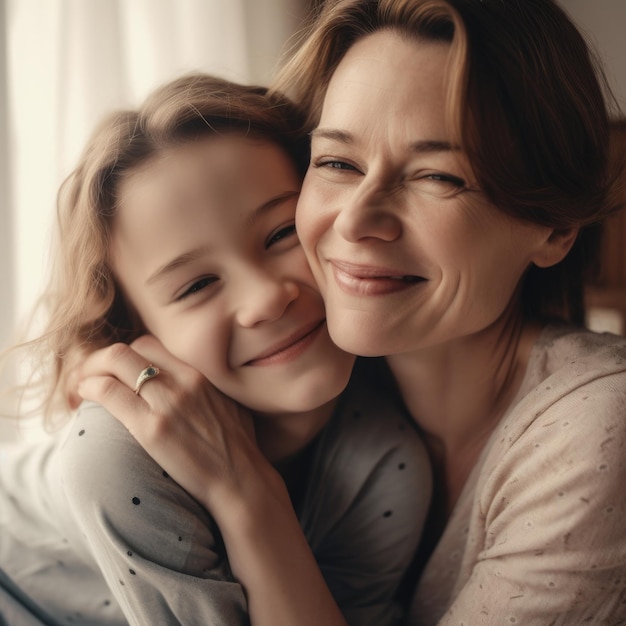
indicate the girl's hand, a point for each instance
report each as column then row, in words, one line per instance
column 201, row 438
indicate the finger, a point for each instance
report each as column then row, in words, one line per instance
column 113, row 396
column 126, row 362
column 180, row 374
column 119, row 360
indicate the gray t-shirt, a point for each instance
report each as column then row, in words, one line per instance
column 93, row 532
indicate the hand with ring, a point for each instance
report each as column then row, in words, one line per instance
column 193, row 431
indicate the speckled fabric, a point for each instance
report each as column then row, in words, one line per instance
column 539, row 533
column 93, row 532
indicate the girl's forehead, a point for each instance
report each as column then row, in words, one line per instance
column 214, row 171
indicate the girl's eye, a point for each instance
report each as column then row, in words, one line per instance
column 199, row 285
column 280, row 234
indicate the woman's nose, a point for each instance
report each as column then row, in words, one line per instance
column 264, row 298
column 368, row 213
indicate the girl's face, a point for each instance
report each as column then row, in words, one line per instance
column 204, row 247
column 407, row 251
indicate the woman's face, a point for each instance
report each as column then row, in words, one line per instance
column 407, row 251
column 204, row 246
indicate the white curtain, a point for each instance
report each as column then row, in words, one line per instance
column 64, row 63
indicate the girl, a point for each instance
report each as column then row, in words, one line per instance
column 179, row 222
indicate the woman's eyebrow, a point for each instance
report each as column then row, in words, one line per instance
column 422, row 145
column 432, row 145
column 332, row 133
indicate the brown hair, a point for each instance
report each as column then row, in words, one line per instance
column 84, row 306
column 527, row 101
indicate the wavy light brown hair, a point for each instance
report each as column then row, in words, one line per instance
column 84, row 307
column 526, row 100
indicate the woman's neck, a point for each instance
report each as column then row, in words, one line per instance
column 457, row 393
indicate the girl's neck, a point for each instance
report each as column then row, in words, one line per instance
column 282, row 437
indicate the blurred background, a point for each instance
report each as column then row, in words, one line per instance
column 63, row 63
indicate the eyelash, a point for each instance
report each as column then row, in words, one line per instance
column 202, row 283
column 280, row 234
column 450, row 179
column 197, row 286
column 335, row 165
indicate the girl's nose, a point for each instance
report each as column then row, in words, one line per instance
column 265, row 298
column 367, row 213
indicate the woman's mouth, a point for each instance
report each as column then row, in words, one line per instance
column 361, row 280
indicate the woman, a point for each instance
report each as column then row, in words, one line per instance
column 459, row 169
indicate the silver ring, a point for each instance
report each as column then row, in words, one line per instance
column 146, row 374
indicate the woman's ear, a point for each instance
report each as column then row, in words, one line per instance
column 556, row 247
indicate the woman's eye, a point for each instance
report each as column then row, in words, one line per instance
column 280, row 234
column 199, row 285
column 441, row 185
column 335, row 164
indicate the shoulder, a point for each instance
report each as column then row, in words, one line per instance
column 565, row 438
column 571, row 353
column 158, row 549
column 371, row 431
column 117, row 492
column 99, row 454
column 574, row 378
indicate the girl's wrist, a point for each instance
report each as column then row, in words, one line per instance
column 250, row 493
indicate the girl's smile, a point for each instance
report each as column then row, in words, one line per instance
column 205, row 249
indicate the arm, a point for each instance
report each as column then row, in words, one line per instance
column 157, row 548
column 214, row 456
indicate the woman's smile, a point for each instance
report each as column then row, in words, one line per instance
column 363, row 280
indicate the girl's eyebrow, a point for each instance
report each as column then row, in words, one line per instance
column 270, row 204
column 175, row 263
column 192, row 255
column 420, row 146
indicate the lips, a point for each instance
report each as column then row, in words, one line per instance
column 366, row 280
column 290, row 347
